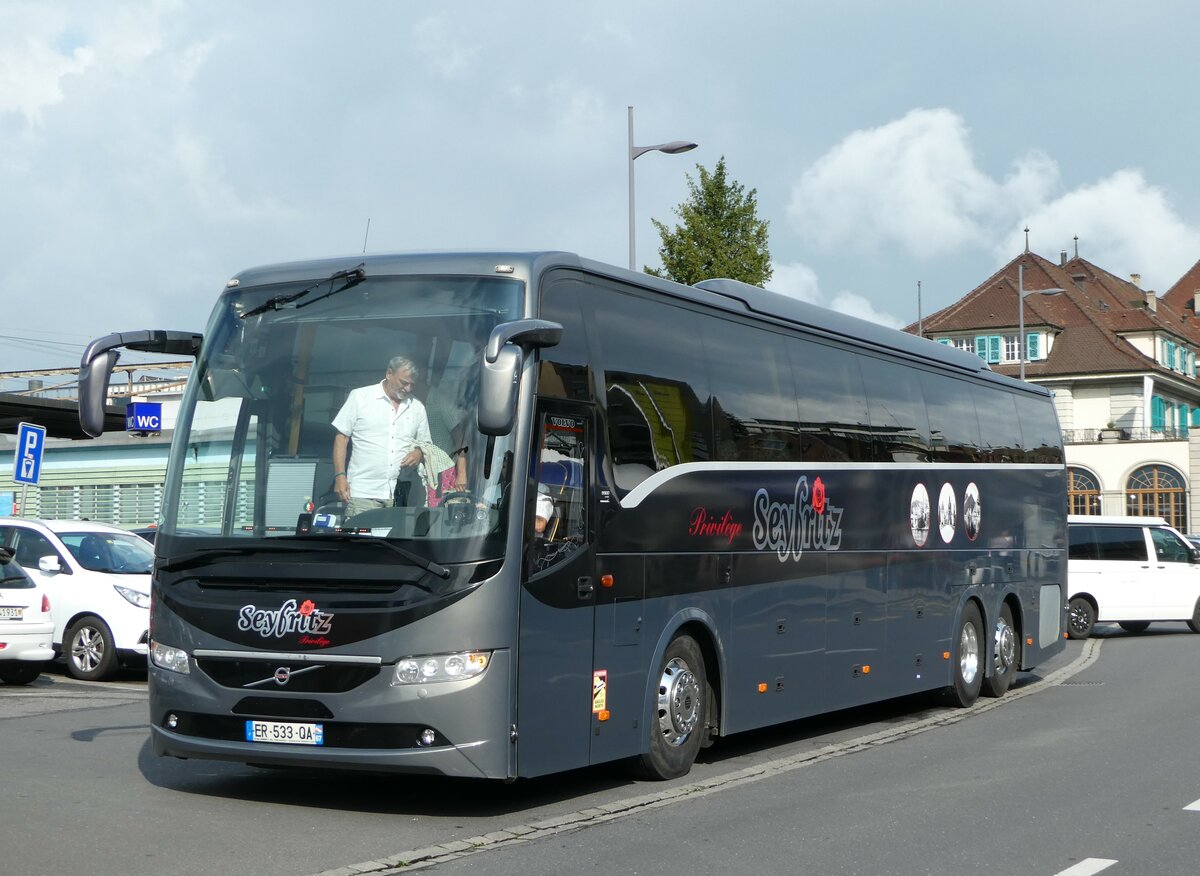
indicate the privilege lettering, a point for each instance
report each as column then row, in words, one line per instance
column 790, row 528
column 705, row 524
column 286, row 620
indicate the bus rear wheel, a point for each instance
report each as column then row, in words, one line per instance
column 1006, row 655
column 968, row 657
column 677, row 722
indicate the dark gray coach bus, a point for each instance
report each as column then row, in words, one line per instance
column 688, row 512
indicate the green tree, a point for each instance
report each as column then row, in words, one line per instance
column 720, row 235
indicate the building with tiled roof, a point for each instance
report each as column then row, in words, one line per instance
column 1121, row 362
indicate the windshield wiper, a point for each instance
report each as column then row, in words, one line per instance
column 200, row 557
column 352, row 276
column 416, row 559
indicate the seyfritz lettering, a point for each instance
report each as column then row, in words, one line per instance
column 290, row 618
column 809, row 521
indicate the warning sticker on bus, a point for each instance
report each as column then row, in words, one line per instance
column 599, row 690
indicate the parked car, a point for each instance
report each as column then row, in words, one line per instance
column 98, row 579
column 150, row 532
column 1131, row 570
column 26, row 625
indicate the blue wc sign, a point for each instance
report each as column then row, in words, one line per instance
column 143, row 417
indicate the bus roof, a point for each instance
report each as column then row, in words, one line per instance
column 729, row 295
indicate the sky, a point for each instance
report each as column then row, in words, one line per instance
column 151, row 150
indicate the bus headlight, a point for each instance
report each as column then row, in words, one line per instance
column 166, row 657
column 433, row 668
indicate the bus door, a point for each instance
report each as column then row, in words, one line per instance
column 558, row 596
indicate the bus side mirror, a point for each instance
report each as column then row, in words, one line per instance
column 498, row 391
column 95, row 368
column 500, row 372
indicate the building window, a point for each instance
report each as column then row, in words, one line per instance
column 967, row 345
column 1083, row 492
column 1011, row 353
column 1157, row 491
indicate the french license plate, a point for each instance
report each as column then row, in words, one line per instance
column 11, row 612
column 287, row 733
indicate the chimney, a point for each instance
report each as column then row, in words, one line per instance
column 1151, row 301
column 1136, row 279
column 1062, row 257
column 1196, row 301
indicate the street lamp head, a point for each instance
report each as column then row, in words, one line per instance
column 672, row 148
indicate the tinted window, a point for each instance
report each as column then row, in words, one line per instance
column 564, row 371
column 1039, row 430
column 1169, row 547
column 30, row 547
column 754, row 399
column 953, row 425
column 1107, row 543
column 834, row 425
column 656, row 385
column 899, row 423
column 999, row 429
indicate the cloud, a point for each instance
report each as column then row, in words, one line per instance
column 912, row 182
column 800, row 281
column 1125, row 225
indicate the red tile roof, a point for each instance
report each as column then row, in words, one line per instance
column 1088, row 317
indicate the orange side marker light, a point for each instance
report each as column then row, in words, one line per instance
column 604, row 715
column 606, row 580
column 945, row 655
column 762, row 687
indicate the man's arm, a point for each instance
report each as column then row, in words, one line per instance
column 341, row 484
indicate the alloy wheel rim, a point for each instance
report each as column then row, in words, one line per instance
column 678, row 702
column 968, row 654
column 88, row 649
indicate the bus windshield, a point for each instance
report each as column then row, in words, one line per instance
column 394, row 362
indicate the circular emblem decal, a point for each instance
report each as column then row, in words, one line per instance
column 972, row 511
column 947, row 513
column 918, row 514
column 282, row 674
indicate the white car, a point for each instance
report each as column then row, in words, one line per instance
column 1132, row 571
column 98, row 579
column 26, row 626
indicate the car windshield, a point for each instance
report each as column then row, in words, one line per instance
column 115, row 552
column 391, row 365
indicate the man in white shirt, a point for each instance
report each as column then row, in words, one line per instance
column 386, row 427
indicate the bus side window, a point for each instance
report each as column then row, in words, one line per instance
column 558, row 526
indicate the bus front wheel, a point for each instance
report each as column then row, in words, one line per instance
column 968, row 657
column 678, row 718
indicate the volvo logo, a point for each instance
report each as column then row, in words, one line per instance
column 282, row 674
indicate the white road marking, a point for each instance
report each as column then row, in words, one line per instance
column 1087, row 867
column 1192, row 807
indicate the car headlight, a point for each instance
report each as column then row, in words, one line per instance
column 136, row 597
column 166, row 657
column 433, row 668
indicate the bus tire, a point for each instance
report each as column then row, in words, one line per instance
column 1006, row 655
column 968, row 656
column 1081, row 618
column 678, row 712
column 89, row 649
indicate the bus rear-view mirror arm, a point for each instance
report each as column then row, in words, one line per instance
column 95, row 368
column 500, row 371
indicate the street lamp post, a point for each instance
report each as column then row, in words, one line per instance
column 1021, row 293
column 672, row 148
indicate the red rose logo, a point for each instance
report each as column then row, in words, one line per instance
column 818, row 496
column 307, row 607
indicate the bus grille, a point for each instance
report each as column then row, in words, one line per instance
column 277, row 675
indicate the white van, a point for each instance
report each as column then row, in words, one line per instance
column 1131, row 570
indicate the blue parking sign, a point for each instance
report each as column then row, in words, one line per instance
column 27, row 461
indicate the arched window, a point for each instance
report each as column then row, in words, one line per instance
column 1157, row 491
column 1083, row 492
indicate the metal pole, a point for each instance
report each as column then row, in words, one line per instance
column 1021, row 316
column 629, row 154
column 920, row 328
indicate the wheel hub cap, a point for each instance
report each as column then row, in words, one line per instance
column 678, row 702
column 1006, row 647
column 968, row 654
